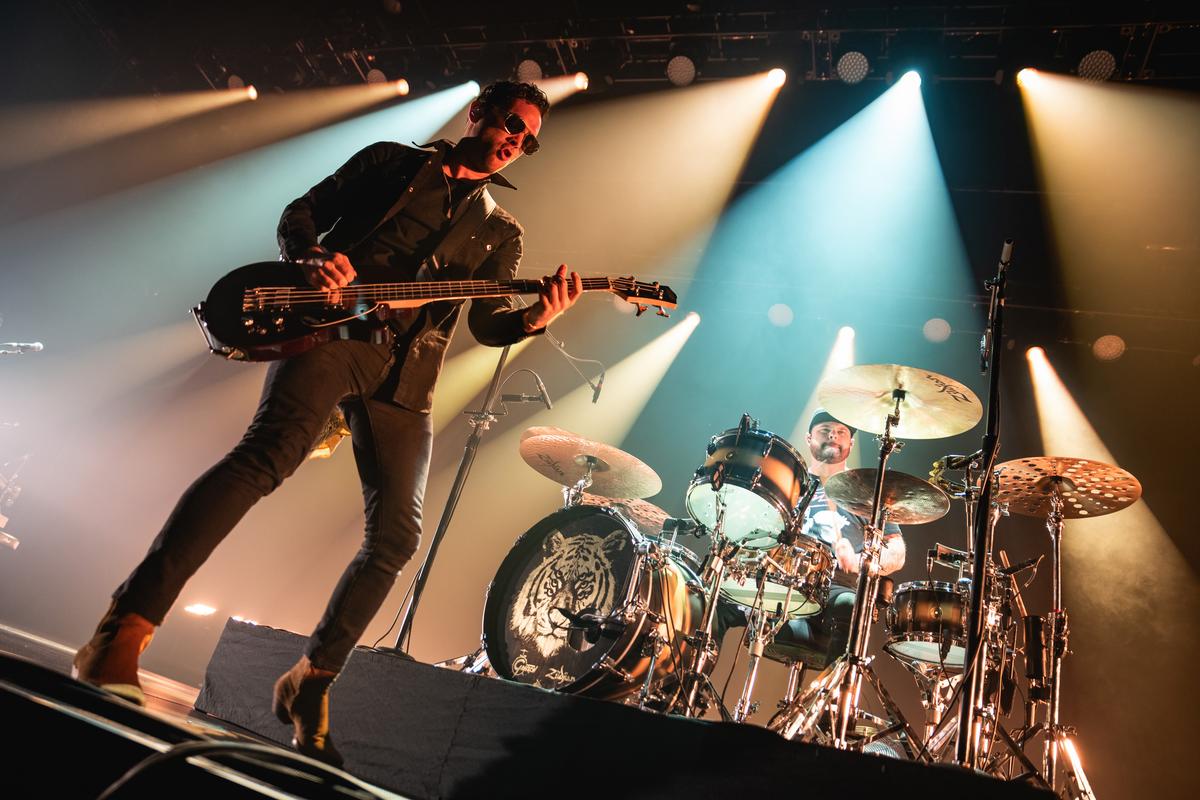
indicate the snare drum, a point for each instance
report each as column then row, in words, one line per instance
column 806, row 566
column 926, row 620
column 758, row 476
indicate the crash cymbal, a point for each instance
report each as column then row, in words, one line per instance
column 933, row 406
column 1088, row 488
column 909, row 499
column 542, row 430
column 648, row 517
column 563, row 458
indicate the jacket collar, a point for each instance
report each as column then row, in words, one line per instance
column 443, row 146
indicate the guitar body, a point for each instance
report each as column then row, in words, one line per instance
column 267, row 311
column 247, row 316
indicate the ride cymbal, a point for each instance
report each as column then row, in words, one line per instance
column 908, row 499
column 932, row 406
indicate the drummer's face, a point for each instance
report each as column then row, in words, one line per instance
column 830, row 442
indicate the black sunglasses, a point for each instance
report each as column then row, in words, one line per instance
column 514, row 124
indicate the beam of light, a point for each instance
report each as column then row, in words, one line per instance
column 504, row 496
column 864, row 208
column 841, row 355
column 560, row 87
column 148, row 154
column 200, row 609
column 657, row 167
column 464, row 376
column 1120, row 165
column 912, row 78
column 40, row 131
column 1119, row 571
column 776, row 78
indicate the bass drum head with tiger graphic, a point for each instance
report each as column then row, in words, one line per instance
column 578, row 560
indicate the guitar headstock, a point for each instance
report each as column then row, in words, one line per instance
column 644, row 295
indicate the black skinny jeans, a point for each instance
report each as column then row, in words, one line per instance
column 392, row 447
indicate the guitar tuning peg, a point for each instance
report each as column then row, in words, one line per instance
column 641, row 309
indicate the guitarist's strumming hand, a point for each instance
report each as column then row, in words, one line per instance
column 557, row 295
column 332, row 273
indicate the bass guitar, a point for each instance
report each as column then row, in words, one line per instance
column 267, row 311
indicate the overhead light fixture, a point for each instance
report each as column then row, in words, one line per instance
column 1109, row 347
column 852, row 67
column 375, row 75
column 936, row 329
column 776, row 77
column 1097, row 66
column 581, row 81
column 529, row 71
column 681, row 70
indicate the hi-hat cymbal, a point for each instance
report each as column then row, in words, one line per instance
column 1088, row 488
column 932, row 405
column 908, row 499
column 563, row 457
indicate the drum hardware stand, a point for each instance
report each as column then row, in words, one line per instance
column 573, row 495
column 761, row 628
column 969, row 722
column 838, row 690
column 698, row 690
column 480, row 422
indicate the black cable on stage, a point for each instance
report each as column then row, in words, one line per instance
column 310, row 767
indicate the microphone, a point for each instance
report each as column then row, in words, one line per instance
column 958, row 462
column 1015, row 568
column 545, row 396
column 20, row 348
column 596, row 391
column 985, row 341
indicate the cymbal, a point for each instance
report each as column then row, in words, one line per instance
column 563, row 458
column 909, row 499
column 933, row 406
column 1088, row 488
column 648, row 517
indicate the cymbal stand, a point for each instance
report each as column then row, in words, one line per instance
column 837, row 692
column 573, row 495
column 698, row 691
column 761, row 627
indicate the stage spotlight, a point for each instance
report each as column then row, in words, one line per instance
column 581, row 81
column 1097, row 66
column 235, row 82
column 251, row 92
column 776, row 77
column 936, row 330
column 402, row 87
column 529, row 71
column 1109, row 347
column 1027, row 77
column 200, row 609
column 681, row 70
column 912, row 77
column 780, row 315
column 852, row 67
column 375, row 75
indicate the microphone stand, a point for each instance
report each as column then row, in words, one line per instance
column 969, row 717
column 480, row 422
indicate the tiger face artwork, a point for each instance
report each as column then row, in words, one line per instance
column 576, row 574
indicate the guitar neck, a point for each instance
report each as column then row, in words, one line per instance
column 459, row 290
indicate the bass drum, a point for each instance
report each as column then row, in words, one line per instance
column 573, row 605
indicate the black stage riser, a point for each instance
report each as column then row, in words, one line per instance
column 432, row 733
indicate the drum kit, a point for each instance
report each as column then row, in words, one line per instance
column 600, row 599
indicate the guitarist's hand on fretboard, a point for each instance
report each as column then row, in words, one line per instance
column 559, row 292
column 325, row 270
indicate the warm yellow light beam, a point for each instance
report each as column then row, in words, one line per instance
column 1128, row 552
column 658, row 167
column 1121, row 168
column 39, row 131
column 561, row 87
column 841, row 355
column 464, row 376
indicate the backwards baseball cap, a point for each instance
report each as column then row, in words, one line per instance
column 821, row 415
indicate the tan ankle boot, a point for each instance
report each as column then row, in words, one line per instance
column 110, row 659
column 302, row 700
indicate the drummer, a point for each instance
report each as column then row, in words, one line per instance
column 826, row 634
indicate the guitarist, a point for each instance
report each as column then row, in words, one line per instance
column 407, row 214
